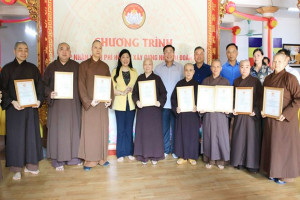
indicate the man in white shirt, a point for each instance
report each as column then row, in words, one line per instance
column 170, row 73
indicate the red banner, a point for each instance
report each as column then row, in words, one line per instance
column 213, row 31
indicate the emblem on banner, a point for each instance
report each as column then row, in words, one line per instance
column 134, row 16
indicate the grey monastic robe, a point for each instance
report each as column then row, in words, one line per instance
column 64, row 115
column 215, row 129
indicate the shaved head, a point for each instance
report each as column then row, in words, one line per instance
column 95, row 41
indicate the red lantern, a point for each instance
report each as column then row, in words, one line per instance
column 236, row 30
column 272, row 23
column 9, row 2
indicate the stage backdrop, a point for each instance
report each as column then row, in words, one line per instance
column 142, row 27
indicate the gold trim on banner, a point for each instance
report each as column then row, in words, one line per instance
column 222, row 9
column 50, row 33
column 33, row 9
column 44, row 108
column 209, row 33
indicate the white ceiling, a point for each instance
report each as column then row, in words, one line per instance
column 249, row 7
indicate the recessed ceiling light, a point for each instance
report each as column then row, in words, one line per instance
column 293, row 9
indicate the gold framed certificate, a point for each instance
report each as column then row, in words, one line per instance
column 243, row 100
column 206, row 98
column 102, row 88
column 185, row 98
column 272, row 104
column 223, row 98
column 63, row 85
column 26, row 93
column 147, row 93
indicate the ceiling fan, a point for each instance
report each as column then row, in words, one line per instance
column 250, row 31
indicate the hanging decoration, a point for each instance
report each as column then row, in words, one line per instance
column 235, row 31
column 11, row 21
column 9, row 2
column 272, row 22
column 22, row 2
column 27, row 19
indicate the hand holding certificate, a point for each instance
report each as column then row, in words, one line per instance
column 224, row 99
column 147, row 93
column 185, row 98
column 63, row 85
column 243, row 100
column 102, row 88
column 25, row 91
column 272, row 104
column 206, row 98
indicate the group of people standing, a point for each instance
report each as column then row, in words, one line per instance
column 78, row 127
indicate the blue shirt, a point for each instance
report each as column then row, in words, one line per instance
column 169, row 76
column 231, row 72
column 201, row 73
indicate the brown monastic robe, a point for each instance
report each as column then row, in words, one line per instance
column 280, row 157
column 64, row 115
column 94, row 128
column 215, row 139
column 246, row 136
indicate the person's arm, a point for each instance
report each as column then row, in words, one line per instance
column 85, row 99
column 115, row 83
column 112, row 95
column 136, row 95
column 291, row 110
column 6, row 99
column 47, row 83
column 174, row 102
column 40, row 90
column 257, row 101
column 162, row 92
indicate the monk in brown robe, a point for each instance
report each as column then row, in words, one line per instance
column 93, row 146
column 148, row 144
column 281, row 139
column 186, row 136
column 64, row 115
column 215, row 139
column 246, row 136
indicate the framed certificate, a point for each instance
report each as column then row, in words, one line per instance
column 147, row 93
column 26, row 93
column 223, row 98
column 102, row 88
column 243, row 100
column 272, row 104
column 206, row 98
column 185, row 98
column 63, row 85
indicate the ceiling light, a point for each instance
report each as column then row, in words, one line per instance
column 293, row 9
